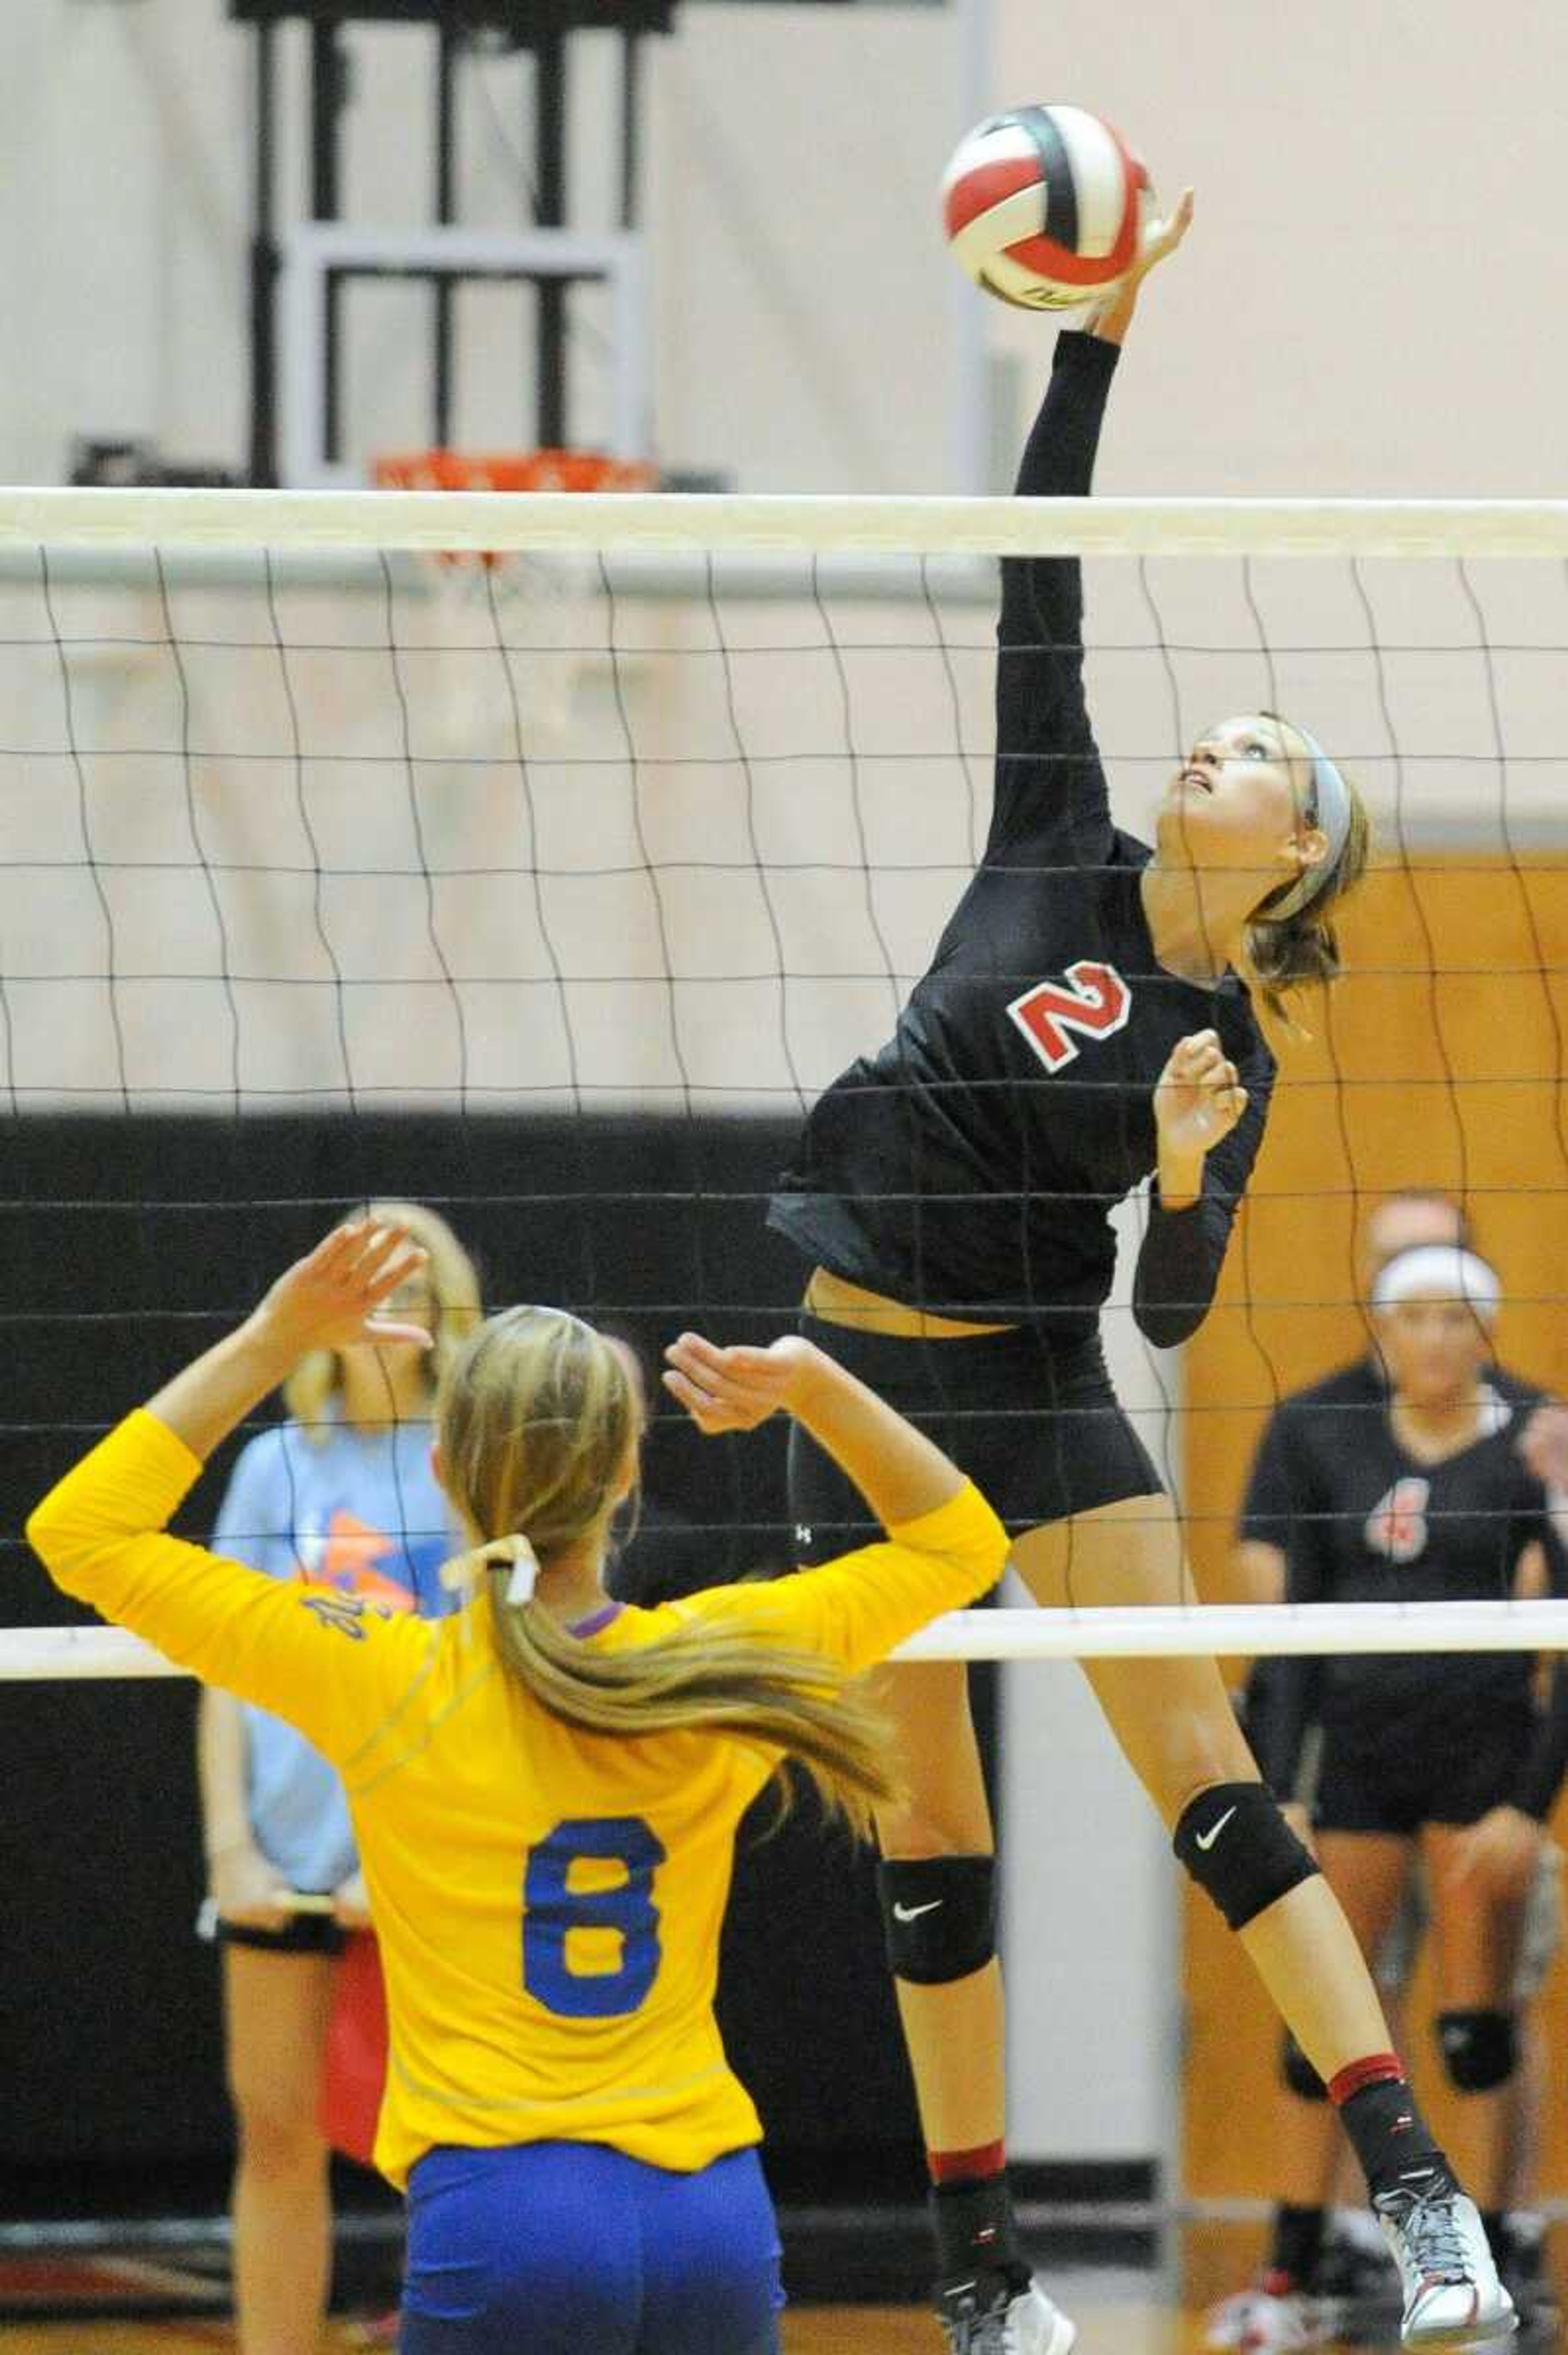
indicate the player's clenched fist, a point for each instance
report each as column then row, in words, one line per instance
column 1198, row 1098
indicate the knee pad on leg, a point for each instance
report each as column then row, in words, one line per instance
column 1298, row 2071
column 939, row 1916
column 1479, row 2048
column 1240, row 1850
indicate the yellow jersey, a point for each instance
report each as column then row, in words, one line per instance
column 547, row 1901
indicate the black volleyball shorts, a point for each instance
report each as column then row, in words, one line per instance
column 1393, row 1777
column 1034, row 1423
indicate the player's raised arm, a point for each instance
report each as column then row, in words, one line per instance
column 1046, row 755
column 330, row 1299
column 901, row 1473
column 101, row 1531
column 946, row 1546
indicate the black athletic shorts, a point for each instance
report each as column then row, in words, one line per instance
column 1035, row 1423
column 1393, row 1779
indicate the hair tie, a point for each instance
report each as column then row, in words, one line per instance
column 463, row 1572
column 525, row 1572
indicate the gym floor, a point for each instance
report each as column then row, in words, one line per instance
column 1119, row 2311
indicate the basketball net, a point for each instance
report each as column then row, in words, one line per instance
column 543, row 612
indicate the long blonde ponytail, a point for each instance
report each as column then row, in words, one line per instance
column 539, row 1422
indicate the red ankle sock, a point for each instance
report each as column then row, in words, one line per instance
column 1377, row 2068
column 977, row 2166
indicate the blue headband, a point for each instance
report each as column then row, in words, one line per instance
column 1331, row 811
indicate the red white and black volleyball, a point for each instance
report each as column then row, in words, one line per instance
column 1043, row 206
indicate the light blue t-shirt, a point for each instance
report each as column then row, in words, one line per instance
column 360, row 1511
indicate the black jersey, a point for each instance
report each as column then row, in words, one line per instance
column 972, row 1165
column 1363, row 1522
column 1287, row 1474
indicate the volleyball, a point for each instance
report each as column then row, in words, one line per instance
column 1043, row 206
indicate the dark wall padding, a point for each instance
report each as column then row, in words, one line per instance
column 126, row 1244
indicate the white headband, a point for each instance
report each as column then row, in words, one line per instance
column 1331, row 811
column 1442, row 1269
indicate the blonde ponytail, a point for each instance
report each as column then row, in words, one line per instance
column 539, row 1422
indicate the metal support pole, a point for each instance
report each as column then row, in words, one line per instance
column 549, row 172
column 631, row 110
column 264, row 270
column 449, row 37
column 327, row 82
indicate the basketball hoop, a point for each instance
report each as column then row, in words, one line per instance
column 507, row 470
column 535, row 611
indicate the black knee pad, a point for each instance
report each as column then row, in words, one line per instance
column 1298, row 2071
column 1240, row 1850
column 1479, row 2048
column 939, row 1916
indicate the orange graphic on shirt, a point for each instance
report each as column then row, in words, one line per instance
column 349, row 1553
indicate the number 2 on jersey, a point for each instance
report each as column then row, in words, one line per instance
column 1096, row 1002
column 552, row 1909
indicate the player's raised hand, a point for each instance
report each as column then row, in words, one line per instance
column 737, row 1387
column 1158, row 239
column 330, row 1299
column 1198, row 1099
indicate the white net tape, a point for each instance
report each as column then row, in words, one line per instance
column 659, row 523
column 1321, row 1630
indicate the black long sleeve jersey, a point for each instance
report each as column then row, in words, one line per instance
column 1362, row 1521
column 970, row 1167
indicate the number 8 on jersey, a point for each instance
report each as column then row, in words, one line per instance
column 553, row 1909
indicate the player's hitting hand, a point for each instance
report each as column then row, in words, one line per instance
column 1198, row 1099
column 1159, row 239
column 737, row 1389
column 329, row 1299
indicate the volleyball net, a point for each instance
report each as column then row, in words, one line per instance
column 553, row 891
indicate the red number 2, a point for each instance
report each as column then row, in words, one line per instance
column 1097, row 1002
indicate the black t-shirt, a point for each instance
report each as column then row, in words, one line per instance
column 1290, row 1471
column 1360, row 1520
column 972, row 1165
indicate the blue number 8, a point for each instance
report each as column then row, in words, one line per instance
column 551, row 1909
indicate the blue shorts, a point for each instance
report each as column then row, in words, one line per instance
column 549, row 2248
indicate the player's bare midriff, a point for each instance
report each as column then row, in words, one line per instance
column 838, row 1301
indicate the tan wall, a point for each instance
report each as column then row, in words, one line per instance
column 1454, row 1078
column 1359, row 308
